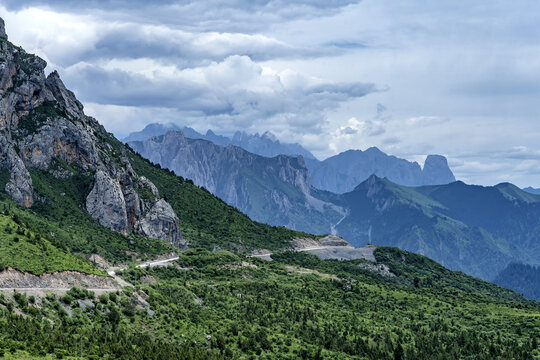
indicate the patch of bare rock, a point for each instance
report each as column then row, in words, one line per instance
column 14, row 279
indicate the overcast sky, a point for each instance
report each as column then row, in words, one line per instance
column 457, row 78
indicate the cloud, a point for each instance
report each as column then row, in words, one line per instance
column 426, row 120
column 186, row 49
column 228, row 15
column 236, row 92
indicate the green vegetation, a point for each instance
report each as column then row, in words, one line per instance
column 422, row 272
column 29, row 250
column 218, row 305
column 252, row 308
column 407, row 269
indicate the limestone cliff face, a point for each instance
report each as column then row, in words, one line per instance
column 42, row 125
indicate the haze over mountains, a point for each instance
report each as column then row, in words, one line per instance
column 265, row 144
column 475, row 229
column 282, row 189
column 273, row 190
column 338, row 174
column 532, row 190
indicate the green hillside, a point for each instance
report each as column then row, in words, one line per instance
column 218, row 305
column 407, row 269
column 29, row 250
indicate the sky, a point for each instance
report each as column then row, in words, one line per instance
column 415, row 77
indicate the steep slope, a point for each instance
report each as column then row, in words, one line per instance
column 343, row 172
column 478, row 230
column 80, row 180
column 264, row 145
column 27, row 249
column 523, row 279
column 275, row 190
column 43, row 128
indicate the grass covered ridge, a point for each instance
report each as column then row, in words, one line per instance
column 28, row 250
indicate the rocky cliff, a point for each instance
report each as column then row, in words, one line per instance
column 274, row 190
column 343, row 172
column 43, row 126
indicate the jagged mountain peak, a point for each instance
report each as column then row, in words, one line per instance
column 343, row 172
column 265, row 144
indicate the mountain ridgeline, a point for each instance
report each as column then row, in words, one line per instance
column 338, row 174
column 343, row 172
column 475, row 229
column 274, row 190
column 264, row 145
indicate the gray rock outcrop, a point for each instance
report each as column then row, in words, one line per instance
column 106, row 203
column 436, row 171
column 3, row 34
column 161, row 222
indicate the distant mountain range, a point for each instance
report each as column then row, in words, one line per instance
column 338, row 174
column 532, row 190
column 273, row 190
column 264, row 145
column 343, row 172
column 474, row 229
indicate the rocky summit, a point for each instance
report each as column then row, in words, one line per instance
column 43, row 126
column 343, row 172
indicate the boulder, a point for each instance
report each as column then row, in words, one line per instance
column 162, row 223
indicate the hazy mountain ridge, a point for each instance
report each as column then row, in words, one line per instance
column 265, row 144
column 343, row 172
column 274, row 190
column 532, row 190
column 475, row 229
column 338, row 174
